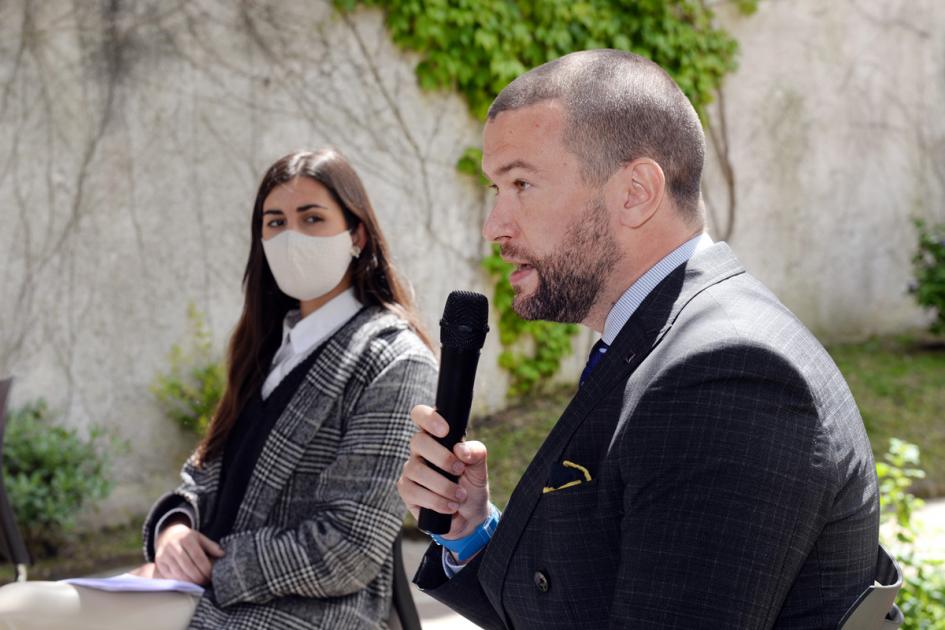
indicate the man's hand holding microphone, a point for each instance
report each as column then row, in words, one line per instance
column 467, row 499
column 445, row 481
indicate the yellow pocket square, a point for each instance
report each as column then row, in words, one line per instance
column 566, row 475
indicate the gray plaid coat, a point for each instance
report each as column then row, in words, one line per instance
column 311, row 544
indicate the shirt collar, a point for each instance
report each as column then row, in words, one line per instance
column 307, row 332
column 634, row 296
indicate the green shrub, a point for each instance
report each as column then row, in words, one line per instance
column 51, row 474
column 922, row 598
column 928, row 264
column 189, row 392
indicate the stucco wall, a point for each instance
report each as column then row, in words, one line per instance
column 837, row 138
column 132, row 145
column 132, row 139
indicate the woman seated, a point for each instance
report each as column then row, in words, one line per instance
column 288, row 508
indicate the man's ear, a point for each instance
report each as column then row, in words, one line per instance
column 640, row 188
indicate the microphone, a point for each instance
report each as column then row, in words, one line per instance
column 462, row 332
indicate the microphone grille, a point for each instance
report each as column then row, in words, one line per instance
column 465, row 320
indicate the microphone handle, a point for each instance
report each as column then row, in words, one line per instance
column 454, row 392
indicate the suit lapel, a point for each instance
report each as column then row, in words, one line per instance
column 641, row 334
column 306, row 412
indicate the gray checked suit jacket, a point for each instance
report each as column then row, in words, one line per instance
column 733, row 485
column 311, row 544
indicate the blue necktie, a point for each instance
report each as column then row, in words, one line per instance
column 597, row 354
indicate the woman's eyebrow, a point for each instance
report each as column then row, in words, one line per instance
column 309, row 206
column 272, row 211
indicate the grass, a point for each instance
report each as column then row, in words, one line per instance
column 899, row 385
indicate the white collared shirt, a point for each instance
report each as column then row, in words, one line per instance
column 301, row 336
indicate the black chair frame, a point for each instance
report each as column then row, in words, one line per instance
column 12, row 546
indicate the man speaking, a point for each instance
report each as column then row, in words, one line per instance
column 712, row 470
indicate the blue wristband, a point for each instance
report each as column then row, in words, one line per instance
column 466, row 547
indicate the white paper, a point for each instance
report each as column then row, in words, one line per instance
column 128, row 583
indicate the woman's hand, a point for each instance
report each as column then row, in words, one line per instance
column 185, row 554
column 145, row 570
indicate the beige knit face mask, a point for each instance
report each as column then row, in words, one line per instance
column 307, row 267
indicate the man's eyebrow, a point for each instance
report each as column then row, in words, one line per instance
column 502, row 170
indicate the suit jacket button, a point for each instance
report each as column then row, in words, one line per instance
column 541, row 581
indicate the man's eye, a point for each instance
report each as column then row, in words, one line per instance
column 494, row 188
column 522, row 184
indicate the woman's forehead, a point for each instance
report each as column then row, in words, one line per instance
column 299, row 189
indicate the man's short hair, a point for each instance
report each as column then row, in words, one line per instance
column 620, row 107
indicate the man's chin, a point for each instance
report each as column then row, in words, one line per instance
column 521, row 304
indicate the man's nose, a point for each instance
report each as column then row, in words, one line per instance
column 498, row 223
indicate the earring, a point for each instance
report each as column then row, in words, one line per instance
column 355, row 251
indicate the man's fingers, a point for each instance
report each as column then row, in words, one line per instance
column 426, row 447
column 429, row 420
column 417, row 496
column 403, row 483
column 420, row 473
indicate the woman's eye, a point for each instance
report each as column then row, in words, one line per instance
column 275, row 223
column 313, row 218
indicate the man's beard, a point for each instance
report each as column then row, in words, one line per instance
column 571, row 277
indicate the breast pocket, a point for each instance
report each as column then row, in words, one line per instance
column 566, row 562
column 577, row 501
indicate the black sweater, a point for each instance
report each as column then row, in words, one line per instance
column 245, row 443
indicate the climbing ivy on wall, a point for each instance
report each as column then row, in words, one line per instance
column 478, row 46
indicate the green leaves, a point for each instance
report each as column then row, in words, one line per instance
column 470, row 163
column 477, row 47
column 50, row 474
column 928, row 265
column 922, row 598
column 189, row 392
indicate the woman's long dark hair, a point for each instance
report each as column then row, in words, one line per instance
column 259, row 331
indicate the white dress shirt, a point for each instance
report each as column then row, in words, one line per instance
column 633, row 297
column 301, row 336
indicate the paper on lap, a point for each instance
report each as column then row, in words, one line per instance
column 128, row 583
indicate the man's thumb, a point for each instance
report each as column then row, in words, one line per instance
column 474, row 455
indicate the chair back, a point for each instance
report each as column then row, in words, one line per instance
column 875, row 608
column 403, row 611
column 11, row 542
